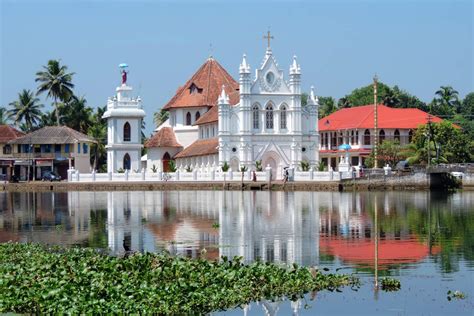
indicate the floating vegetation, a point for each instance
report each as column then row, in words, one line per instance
column 38, row 279
column 456, row 294
column 390, row 284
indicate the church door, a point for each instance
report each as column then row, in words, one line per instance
column 166, row 162
column 126, row 162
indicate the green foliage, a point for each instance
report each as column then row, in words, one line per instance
column 455, row 294
column 243, row 169
column 189, row 169
column 172, row 165
column 4, row 116
column 304, row 165
column 447, row 144
column 258, row 165
column 160, row 117
column 76, row 114
column 225, row 167
column 56, row 81
column 390, row 284
column 467, row 106
column 393, row 97
column 327, row 105
column 35, row 279
column 120, row 170
column 446, row 102
column 154, row 169
column 389, row 152
column 26, row 110
column 321, row 166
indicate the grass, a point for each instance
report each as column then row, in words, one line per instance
column 38, row 279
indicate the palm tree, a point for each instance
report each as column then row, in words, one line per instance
column 99, row 133
column 26, row 109
column 4, row 117
column 77, row 115
column 344, row 102
column 57, row 82
column 160, row 117
column 47, row 119
column 447, row 100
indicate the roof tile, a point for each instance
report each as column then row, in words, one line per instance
column 8, row 133
column 53, row 135
column 201, row 147
column 165, row 137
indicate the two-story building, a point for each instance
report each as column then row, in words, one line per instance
column 355, row 127
column 55, row 148
column 7, row 133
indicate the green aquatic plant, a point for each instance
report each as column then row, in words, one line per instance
column 390, row 284
column 41, row 280
column 455, row 294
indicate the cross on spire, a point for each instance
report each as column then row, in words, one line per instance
column 268, row 37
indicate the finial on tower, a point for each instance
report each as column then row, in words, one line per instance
column 313, row 99
column 294, row 68
column 244, row 67
column 223, row 98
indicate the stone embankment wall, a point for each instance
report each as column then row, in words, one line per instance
column 468, row 181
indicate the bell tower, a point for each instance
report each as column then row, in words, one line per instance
column 124, row 121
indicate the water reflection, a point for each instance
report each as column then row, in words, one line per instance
column 309, row 228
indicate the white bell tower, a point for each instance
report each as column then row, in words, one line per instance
column 124, row 121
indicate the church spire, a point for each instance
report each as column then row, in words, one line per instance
column 244, row 67
column 295, row 68
column 223, row 98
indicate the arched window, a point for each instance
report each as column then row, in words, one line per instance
column 357, row 138
column 333, row 139
column 269, row 117
column 126, row 132
column 255, row 117
column 166, row 162
column 367, row 137
column 283, row 118
column 396, row 135
column 352, row 138
column 381, row 136
column 188, row 118
column 126, row 162
column 197, row 116
column 410, row 136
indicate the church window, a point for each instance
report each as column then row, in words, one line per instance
column 269, row 117
column 303, row 149
column 357, row 138
column 234, row 149
column 255, row 117
column 126, row 132
column 396, row 135
column 381, row 136
column 283, row 118
column 198, row 115
column 367, row 137
column 194, row 89
column 188, row 118
column 270, row 77
column 410, row 136
column 126, row 162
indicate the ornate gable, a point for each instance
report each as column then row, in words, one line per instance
column 269, row 78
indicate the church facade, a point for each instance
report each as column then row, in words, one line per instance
column 217, row 120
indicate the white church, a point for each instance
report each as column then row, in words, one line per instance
column 214, row 120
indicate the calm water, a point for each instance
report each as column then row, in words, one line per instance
column 425, row 239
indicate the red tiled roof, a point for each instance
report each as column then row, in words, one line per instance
column 8, row 133
column 363, row 117
column 201, row 147
column 209, row 117
column 207, row 82
column 164, row 138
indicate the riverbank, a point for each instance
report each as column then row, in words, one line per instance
column 405, row 183
column 38, row 279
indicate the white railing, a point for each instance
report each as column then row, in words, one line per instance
column 212, row 175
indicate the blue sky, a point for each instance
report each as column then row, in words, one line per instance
column 418, row 45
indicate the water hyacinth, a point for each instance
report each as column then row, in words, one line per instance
column 38, row 279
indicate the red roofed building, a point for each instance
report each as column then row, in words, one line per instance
column 192, row 115
column 355, row 126
column 7, row 133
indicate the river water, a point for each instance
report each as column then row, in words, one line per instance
column 426, row 240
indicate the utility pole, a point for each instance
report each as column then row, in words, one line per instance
column 375, row 123
column 429, row 140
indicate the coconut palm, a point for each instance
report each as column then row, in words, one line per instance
column 98, row 152
column 160, row 117
column 4, row 117
column 77, row 115
column 47, row 119
column 446, row 101
column 26, row 110
column 57, row 82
